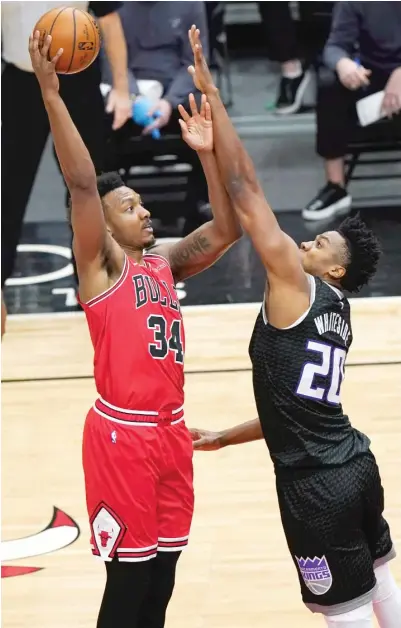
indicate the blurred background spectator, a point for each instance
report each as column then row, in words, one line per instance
column 25, row 126
column 158, row 57
column 362, row 56
column 260, row 51
column 284, row 45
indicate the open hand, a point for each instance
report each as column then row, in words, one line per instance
column 203, row 440
column 197, row 129
column 44, row 69
column 200, row 72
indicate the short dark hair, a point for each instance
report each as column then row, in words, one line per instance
column 362, row 253
column 107, row 182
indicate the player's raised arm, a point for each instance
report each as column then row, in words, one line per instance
column 278, row 252
column 92, row 244
column 201, row 248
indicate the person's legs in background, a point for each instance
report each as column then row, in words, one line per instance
column 282, row 41
column 335, row 119
column 25, row 129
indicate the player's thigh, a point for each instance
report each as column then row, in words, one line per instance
column 375, row 526
column 322, row 519
column 120, row 467
column 175, row 492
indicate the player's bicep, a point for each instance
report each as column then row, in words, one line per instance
column 196, row 252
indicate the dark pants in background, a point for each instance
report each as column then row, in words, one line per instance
column 288, row 39
column 336, row 115
column 25, row 130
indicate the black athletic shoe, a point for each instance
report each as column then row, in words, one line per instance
column 332, row 200
column 291, row 93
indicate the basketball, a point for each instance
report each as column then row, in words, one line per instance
column 76, row 32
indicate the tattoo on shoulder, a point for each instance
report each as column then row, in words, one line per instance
column 197, row 245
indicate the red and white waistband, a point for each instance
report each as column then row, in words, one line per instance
column 145, row 418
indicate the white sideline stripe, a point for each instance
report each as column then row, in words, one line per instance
column 396, row 300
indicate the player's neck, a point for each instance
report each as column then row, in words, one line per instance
column 135, row 254
column 332, row 282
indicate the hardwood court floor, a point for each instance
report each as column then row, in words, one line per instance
column 236, row 572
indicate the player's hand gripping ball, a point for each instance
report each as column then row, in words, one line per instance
column 76, row 32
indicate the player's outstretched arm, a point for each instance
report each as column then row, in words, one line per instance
column 203, row 247
column 204, row 440
column 91, row 240
column 278, row 252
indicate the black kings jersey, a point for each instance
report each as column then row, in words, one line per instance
column 297, row 377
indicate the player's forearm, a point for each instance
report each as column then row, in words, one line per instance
column 225, row 221
column 116, row 50
column 74, row 158
column 244, row 433
column 236, row 167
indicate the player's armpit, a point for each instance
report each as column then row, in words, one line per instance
column 197, row 251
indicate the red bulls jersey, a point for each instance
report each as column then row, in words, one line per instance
column 138, row 337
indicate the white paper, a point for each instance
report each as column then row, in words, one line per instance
column 369, row 108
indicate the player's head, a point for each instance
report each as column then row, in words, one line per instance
column 127, row 220
column 347, row 257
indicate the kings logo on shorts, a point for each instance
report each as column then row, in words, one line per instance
column 316, row 574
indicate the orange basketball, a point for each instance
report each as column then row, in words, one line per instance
column 76, row 32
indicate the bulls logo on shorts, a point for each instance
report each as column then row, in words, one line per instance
column 107, row 532
column 316, row 574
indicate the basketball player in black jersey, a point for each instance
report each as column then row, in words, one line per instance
column 328, row 484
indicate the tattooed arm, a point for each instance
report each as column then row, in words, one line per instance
column 204, row 246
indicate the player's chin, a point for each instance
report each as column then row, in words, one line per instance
column 148, row 240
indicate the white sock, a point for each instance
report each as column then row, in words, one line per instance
column 357, row 618
column 387, row 598
column 292, row 70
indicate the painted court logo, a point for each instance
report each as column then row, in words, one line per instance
column 60, row 532
column 316, row 574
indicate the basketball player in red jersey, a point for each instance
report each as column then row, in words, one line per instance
column 137, row 451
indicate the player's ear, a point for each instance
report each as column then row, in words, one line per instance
column 337, row 272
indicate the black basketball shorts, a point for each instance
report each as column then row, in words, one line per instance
column 336, row 533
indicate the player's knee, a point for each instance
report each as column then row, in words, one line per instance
column 360, row 617
column 385, row 583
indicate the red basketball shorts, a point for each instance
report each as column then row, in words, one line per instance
column 139, row 484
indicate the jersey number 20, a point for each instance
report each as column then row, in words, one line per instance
column 163, row 344
column 331, row 369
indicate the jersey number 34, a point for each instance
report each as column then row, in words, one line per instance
column 165, row 340
column 329, row 373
